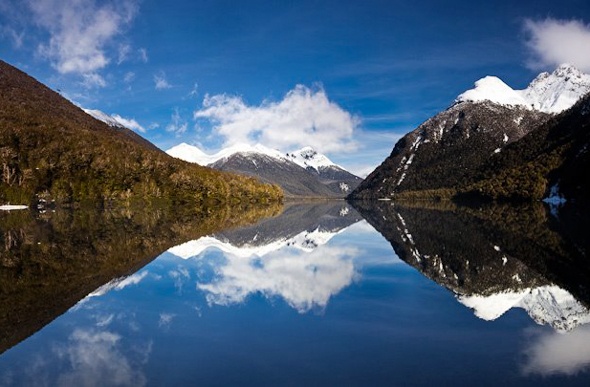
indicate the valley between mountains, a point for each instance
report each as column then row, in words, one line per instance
column 492, row 143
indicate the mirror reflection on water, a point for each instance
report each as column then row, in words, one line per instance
column 308, row 294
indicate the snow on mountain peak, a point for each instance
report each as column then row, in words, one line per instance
column 189, row 153
column 492, row 89
column 309, row 157
column 193, row 154
column 304, row 157
column 548, row 92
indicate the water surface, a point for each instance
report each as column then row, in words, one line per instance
column 315, row 296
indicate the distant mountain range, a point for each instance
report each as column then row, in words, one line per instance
column 303, row 173
column 51, row 150
column 496, row 142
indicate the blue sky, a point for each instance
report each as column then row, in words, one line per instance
column 347, row 77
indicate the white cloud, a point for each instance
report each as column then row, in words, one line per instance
column 165, row 320
column 143, row 55
column 177, row 125
column 129, row 123
column 554, row 42
column 16, row 38
column 124, row 50
column 80, row 31
column 195, row 90
column 91, row 80
column 303, row 117
column 161, row 82
column 129, row 77
column 559, row 353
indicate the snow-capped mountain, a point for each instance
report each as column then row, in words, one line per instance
column 193, row 154
column 307, row 157
column 450, row 152
column 301, row 173
column 548, row 93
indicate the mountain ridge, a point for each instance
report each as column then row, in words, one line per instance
column 462, row 150
column 302, row 173
column 549, row 92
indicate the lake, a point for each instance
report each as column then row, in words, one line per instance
column 310, row 294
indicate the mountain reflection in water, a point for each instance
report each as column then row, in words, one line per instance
column 285, row 256
column 493, row 257
column 310, row 293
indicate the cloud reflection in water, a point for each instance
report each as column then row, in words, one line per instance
column 554, row 353
column 304, row 280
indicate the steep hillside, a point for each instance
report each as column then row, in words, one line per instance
column 552, row 160
column 52, row 150
column 494, row 142
column 447, row 151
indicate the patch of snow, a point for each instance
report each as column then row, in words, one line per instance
column 193, row 154
column 308, row 157
column 344, row 211
column 11, row 207
column 497, row 150
column 493, row 89
column 549, row 93
column 403, row 176
column 344, row 187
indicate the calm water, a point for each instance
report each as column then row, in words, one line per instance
column 315, row 296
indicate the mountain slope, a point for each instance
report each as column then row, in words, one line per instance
column 553, row 159
column 52, row 150
column 303, row 173
column 449, row 153
column 447, row 150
